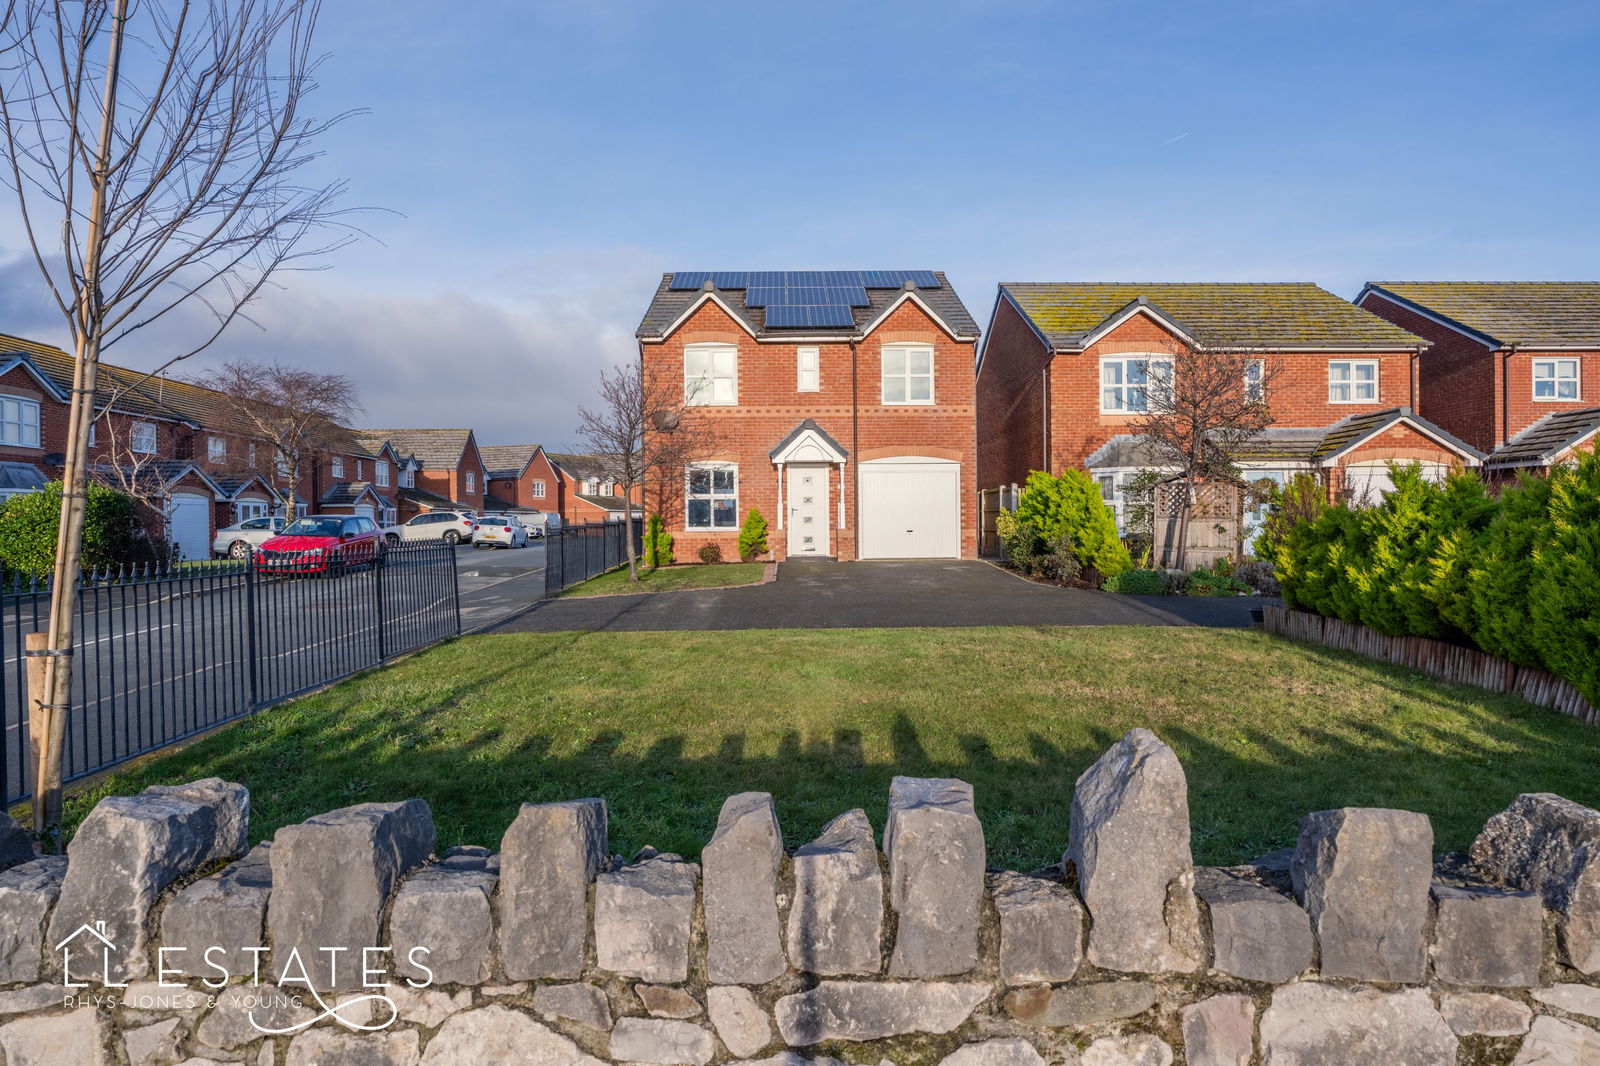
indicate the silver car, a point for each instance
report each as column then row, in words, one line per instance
column 499, row 531
column 240, row 539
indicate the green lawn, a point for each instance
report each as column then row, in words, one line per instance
column 665, row 725
column 670, row 578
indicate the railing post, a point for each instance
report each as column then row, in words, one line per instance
column 378, row 569
column 252, row 635
column 455, row 588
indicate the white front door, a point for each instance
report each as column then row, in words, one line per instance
column 189, row 525
column 806, row 496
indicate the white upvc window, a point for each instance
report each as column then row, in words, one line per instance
column 808, row 369
column 907, row 374
column 1255, row 380
column 338, row 466
column 472, row 481
column 91, row 434
column 381, row 472
column 250, row 454
column 537, row 489
column 408, row 476
column 1133, row 384
column 19, row 421
column 1555, row 379
column 1353, row 381
column 245, row 510
column 143, row 438
column 216, row 450
column 710, row 375
column 360, row 471
column 712, row 499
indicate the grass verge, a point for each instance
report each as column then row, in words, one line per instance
column 669, row 579
column 666, row 725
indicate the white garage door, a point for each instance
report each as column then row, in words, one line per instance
column 189, row 525
column 1367, row 483
column 367, row 510
column 910, row 508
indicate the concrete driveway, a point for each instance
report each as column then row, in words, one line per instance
column 823, row 595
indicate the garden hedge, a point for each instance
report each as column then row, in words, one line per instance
column 1517, row 575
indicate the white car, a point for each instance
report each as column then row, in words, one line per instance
column 241, row 538
column 500, row 531
column 452, row 527
column 533, row 523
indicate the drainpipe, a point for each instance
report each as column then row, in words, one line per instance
column 1505, row 395
column 855, row 449
column 1044, row 437
column 1416, row 372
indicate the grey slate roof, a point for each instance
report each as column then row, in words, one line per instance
column 610, row 503
column 432, row 500
column 506, row 460
column 667, row 305
column 1271, row 315
column 436, row 449
column 345, row 493
column 1289, row 444
column 801, row 428
column 21, row 477
column 1532, row 314
column 1544, row 442
column 580, row 467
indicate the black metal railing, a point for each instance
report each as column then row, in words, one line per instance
column 579, row 551
column 163, row 654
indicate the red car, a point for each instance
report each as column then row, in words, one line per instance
column 321, row 544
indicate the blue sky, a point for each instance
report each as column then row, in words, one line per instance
column 543, row 162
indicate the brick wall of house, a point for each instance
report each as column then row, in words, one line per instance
column 1522, row 410
column 1299, row 394
column 1010, row 400
column 1458, row 384
column 847, row 406
column 520, row 491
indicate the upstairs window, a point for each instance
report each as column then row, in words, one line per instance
column 1353, row 381
column 338, row 466
column 19, row 421
column 907, row 375
column 1555, row 379
column 408, row 476
column 381, row 471
column 472, row 481
column 360, row 471
column 1255, row 380
column 712, row 501
column 216, row 450
column 537, row 488
column 710, row 375
column 143, row 438
column 808, row 373
column 250, row 454
column 1134, row 384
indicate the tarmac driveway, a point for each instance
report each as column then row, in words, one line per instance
column 814, row 594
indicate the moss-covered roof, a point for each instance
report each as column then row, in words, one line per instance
column 1270, row 315
column 1559, row 314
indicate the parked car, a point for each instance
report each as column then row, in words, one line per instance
column 452, row 527
column 241, row 538
column 533, row 523
column 500, row 531
column 322, row 544
column 552, row 523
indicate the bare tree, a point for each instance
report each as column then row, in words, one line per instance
column 158, row 175
column 295, row 413
column 1203, row 407
column 642, row 432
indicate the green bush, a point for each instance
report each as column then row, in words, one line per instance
column 1518, row 575
column 1137, row 583
column 1068, row 509
column 1217, row 581
column 657, row 543
column 29, row 524
column 1302, row 500
column 752, row 536
column 710, row 552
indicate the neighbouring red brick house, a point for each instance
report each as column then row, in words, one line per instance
column 1511, row 367
column 843, row 405
column 1064, row 378
column 588, row 489
column 442, row 469
column 521, row 478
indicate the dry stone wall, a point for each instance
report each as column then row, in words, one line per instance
column 350, row 939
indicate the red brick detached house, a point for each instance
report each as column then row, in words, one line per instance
column 1064, row 374
column 843, row 406
column 589, row 491
column 520, row 478
column 1511, row 367
column 448, row 472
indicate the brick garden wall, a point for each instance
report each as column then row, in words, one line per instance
column 1358, row 947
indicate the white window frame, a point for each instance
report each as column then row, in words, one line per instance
column 472, row 481
column 1255, row 380
column 906, row 375
column 808, row 369
column 19, row 421
column 244, row 510
column 536, row 489
column 690, row 495
column 360, row 472
column 1354, row 382
column 408, row 477
column 250, row 454
column 216, row 449
column 91, row 434
column 1555, row 379
column 700, row 389
column 381, row 473
column 338, row 466
column 142, row 438
column 1116, row 396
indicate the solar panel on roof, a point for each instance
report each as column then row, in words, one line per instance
column 924, row 279
column 790, row 315
column 689, row 279
column 730, row 279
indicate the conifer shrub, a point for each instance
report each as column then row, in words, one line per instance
column 1067, row 512
column 752, row 536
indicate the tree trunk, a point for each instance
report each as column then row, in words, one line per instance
column 627, row 533
column 57, row 681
